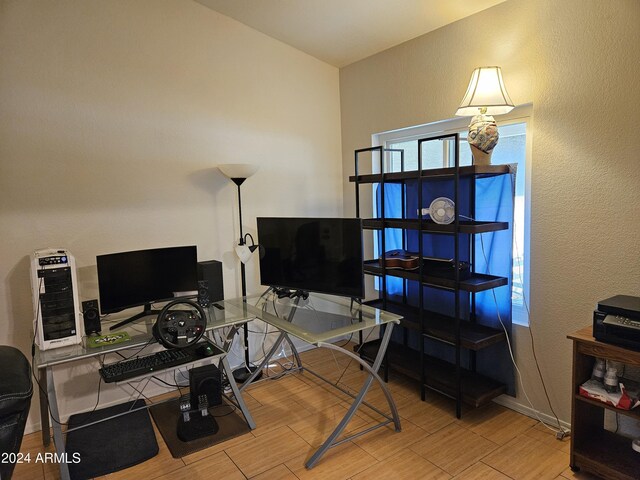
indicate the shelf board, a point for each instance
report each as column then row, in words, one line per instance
column 478, row 282
column 473, row 336
column 629, row 413
column 608, row 455
column 477, row 389
column 472, row 170
column 429, row 226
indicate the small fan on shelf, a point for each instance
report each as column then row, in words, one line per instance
column 442, row 211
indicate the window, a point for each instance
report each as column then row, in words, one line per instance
column 514, row 147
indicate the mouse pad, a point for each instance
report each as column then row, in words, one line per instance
column 110, row 339
column 111, row 445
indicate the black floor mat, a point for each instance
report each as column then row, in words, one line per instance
column 112, row 445
column 230, row 421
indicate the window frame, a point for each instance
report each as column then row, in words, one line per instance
column 520, row 114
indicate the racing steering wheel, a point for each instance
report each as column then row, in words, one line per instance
column 179, row 328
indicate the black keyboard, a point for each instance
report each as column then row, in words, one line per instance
column 135, row 367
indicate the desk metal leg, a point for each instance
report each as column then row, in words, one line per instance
column 229, row 339
column 236, row 393
column 265, row 361
column 295, row 353
column 282, row 337
column 58, row 437
column 331, row 441
column 44, row 411
column 365, row 366
column 232, row 381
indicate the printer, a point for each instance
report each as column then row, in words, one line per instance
column 616, row 320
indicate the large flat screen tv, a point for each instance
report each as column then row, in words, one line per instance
column 312, row 254
column 131, row 279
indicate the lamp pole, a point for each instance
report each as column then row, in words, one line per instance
column 241, row 374
column 243, row 278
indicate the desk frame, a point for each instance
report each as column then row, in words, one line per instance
column 332, row 439
column 48, row 391
column 48, row 397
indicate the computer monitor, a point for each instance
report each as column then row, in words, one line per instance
column 312, row 254
column 138, row 278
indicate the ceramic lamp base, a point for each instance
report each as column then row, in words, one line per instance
column 480, row 157
column 483, row 137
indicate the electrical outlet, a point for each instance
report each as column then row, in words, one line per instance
column 334, row 324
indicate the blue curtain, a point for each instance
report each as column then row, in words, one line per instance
column 494, row 254
column 494, row 199
column 393, row 193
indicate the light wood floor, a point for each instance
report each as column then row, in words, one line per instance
column 295, row 413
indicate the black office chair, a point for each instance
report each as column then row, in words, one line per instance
column 16, row 390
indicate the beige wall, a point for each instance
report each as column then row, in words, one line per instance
column 113, row 115
column 577, row 62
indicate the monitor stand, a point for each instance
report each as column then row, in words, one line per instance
column 145, row 313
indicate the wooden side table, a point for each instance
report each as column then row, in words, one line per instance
column 594, row 449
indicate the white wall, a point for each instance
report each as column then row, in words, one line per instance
column 576, row 61
column 113, row 116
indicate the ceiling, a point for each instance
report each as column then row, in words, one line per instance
column 341, row 32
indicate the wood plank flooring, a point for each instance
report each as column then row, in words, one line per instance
column 296, row 412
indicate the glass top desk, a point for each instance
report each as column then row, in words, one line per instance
column 236, row 312
column 327, row 313
column 140, row 336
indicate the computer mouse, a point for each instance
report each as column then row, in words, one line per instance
column 205, row 350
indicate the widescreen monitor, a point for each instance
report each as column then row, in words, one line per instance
column 312, row 254
column 131, row 279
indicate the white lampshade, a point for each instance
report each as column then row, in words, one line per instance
column 486, row 90
column 238, row 170
column 244, row 252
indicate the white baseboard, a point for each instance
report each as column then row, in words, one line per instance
column 512, row 404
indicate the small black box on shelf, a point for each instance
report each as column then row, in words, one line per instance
column 210, row 271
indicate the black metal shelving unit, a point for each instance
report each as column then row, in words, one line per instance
column 452, row 379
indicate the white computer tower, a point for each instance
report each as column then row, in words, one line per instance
column 54, row 286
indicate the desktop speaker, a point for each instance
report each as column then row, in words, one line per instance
column 210, row 271
column 91, row 316
column 206, row 380
column 203, row 293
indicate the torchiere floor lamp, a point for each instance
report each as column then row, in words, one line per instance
column 238, row 173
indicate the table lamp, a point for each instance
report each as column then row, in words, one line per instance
column 486, row 96
column 238, row 173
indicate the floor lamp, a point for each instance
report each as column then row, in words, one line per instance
column 238, row 173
